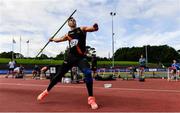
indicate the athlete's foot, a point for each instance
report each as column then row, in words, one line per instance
column 42, row 95
column 168, row 79
column 92, row 102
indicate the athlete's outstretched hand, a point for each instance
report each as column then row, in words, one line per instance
column 96, row 26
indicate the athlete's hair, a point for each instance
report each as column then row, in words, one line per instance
column 70, row 18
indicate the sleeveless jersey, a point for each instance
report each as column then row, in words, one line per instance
column 77, row 42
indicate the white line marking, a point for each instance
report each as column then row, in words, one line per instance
column 122, row 89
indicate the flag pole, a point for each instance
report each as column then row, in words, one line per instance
column 20, row 48
column 13, row 41
column 27, row 48
column 12, row 48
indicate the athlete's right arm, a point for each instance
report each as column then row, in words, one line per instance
column 60, row 39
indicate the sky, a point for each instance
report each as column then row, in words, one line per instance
column 137, row 23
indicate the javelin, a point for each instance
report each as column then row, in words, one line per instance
column 55, row 34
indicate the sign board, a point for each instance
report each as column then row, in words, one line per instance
column 152, row 69
column 52, row 70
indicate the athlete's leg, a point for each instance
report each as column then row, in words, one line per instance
column 64, row 69
column 85, row 68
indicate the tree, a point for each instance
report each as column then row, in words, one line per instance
column 60, row 56
column 156, row 54
column 90, row 51
column 9, row 55
column 6, row 54
column 43, row 56
column 18, row 55
column 178, row 51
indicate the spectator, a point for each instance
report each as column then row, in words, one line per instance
column 94, row 65
column 11, row 66
column 36, row 71
column 174, row 73
column 132, row 70
column 18, row 72
column 43, row 71
column 75, row 74
column 142, row 66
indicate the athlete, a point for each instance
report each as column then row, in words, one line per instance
column 76, row 57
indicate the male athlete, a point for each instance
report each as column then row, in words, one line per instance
column 76, row 57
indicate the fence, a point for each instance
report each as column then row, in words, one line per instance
column 151, row 72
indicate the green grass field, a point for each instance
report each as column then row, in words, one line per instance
column 31, row 61
column 57, row 62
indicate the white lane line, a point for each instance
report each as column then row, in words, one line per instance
column 122, row 89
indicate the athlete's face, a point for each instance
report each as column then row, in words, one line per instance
column 72, row 23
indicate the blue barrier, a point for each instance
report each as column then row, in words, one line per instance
column 6, row 71
column 100, row 70
column 127, row 70
column 3, row 71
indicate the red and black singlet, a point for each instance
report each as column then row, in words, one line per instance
column 77, row 42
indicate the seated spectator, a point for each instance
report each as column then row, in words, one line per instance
column 132, row 71
column 43, row 71
column 18, row 72
column 36, row 71
column 75, row 75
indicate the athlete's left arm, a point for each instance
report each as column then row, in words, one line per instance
column 90, row 28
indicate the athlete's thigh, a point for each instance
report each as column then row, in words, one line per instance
column 83, row 64
column 66, row 66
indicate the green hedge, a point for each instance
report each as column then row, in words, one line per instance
column 56, row 62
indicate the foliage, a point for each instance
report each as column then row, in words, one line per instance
column 32, row 61
column 156, row 54
column 60, row 56
column 43, row 56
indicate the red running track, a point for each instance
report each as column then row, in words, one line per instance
column 153, row 95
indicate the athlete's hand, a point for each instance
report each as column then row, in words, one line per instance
column 51, row 39
column 96, row 26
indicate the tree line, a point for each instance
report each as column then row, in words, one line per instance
column 155, row 54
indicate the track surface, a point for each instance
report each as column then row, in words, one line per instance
column 153, row 95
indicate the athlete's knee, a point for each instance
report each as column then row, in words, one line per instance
column 88, row 77
column 87, row 72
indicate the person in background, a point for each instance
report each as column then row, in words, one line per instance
column 18, row 72
column 43, row 72
column 36, row 71
column 174, row 73
column 94, row 65
column 11, row 66
column 142, row 66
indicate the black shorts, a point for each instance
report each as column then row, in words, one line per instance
column 93, row 68
column 73, row 60
column 11, row 69
column 174, row 71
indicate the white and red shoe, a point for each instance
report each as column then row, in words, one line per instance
column 92, row 102
column 42, row 95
